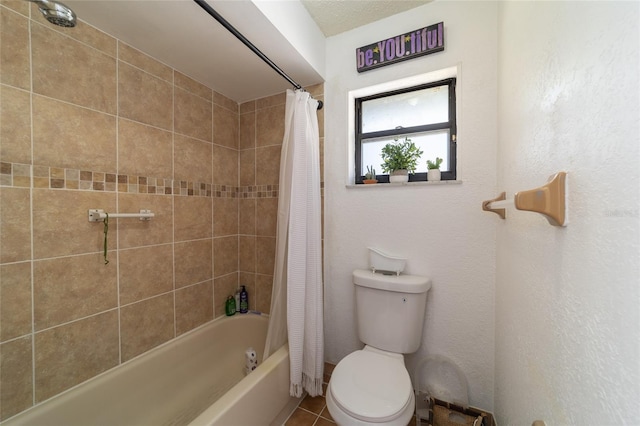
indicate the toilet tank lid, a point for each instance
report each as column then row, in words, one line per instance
column 397, row 283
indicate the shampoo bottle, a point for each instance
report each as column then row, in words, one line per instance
column 244, row 301
column 230, row 306
column 237, row 296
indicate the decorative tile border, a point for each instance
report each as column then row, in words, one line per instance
column 25, row 176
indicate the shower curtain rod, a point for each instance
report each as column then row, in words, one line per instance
column 203, row 4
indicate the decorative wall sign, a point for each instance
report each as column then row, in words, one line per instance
column 400, row 48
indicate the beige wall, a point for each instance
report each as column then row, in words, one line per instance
column 89, row 122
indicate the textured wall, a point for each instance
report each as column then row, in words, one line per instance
column 439, row 228
column 567, row 299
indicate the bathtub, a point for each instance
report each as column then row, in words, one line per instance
column 197, row 379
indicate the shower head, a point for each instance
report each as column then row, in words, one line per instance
column 56, row 13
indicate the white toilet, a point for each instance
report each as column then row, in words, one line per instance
column 372, row 386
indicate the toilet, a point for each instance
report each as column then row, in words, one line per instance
column 372, row 386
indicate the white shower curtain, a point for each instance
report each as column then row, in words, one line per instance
column 296, row 304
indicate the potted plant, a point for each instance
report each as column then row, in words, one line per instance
column 433, row 169
column 399, row 159
column 370, row 176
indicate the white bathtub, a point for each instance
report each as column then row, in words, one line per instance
column 196, row 379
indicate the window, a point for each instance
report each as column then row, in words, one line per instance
column 426, row 114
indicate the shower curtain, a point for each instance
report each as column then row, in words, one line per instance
column 296, row 303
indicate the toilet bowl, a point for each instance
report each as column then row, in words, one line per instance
column 371, row 387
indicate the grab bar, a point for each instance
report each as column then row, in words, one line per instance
column 99, row 215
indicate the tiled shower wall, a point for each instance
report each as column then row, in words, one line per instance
column 89, row 122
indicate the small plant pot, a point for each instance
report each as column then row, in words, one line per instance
column 370, row 181
column 433, row 174
column 399, row 176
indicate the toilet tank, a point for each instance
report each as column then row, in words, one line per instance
column 390, row 309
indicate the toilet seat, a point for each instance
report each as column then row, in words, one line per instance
column 372, row 386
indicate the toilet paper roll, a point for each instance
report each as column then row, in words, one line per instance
column 250, row 360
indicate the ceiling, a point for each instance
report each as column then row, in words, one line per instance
column 337, row 16
column 182, row 35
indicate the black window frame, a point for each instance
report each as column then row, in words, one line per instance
column 450, row 125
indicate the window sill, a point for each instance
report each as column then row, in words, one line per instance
column 412, row 184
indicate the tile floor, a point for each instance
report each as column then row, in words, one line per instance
column 311, row 412
column 314, row 411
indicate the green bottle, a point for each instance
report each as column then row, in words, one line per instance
column 230, row 306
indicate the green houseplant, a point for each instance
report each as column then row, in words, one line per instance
column 399, row 159
column 433, row 169
column 370, row 176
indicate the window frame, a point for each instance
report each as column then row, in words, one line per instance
column 450, row 125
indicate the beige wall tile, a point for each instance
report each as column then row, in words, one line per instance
column 15, row 225
column 14, row 49
column 225, row 255
column 190, row 85
column 146, row 63
column 193, row 262
column 265, row 254
column 90, row 347
column 267, row 211
column 225, row 166
column 69, row 136
column 248, row 167
column 16, row 377
column 61, row 226
column 268, row 165
column 137, row 233
column 246, row 107
column 223, row 101
column 225, row 216
column 15, row 300
column 263, row 293
column 69, row 288
column 247, row 253
column 247, row 216
column 90, row 82
column 194, row 306
column 145, row 98
column 225, row 127
column 145, row 325
column 144, row 150
column 223, row 287
column 15, row 132
column 193, row 218
column 193, row 160
column 145, row 272
column 270, row 126
column 85, row 33
column 21, row 175
column 247, row 130
column 193, row 115
column 19, row 6
column 270, row 101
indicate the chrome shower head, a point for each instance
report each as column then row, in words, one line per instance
column 57, row 13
